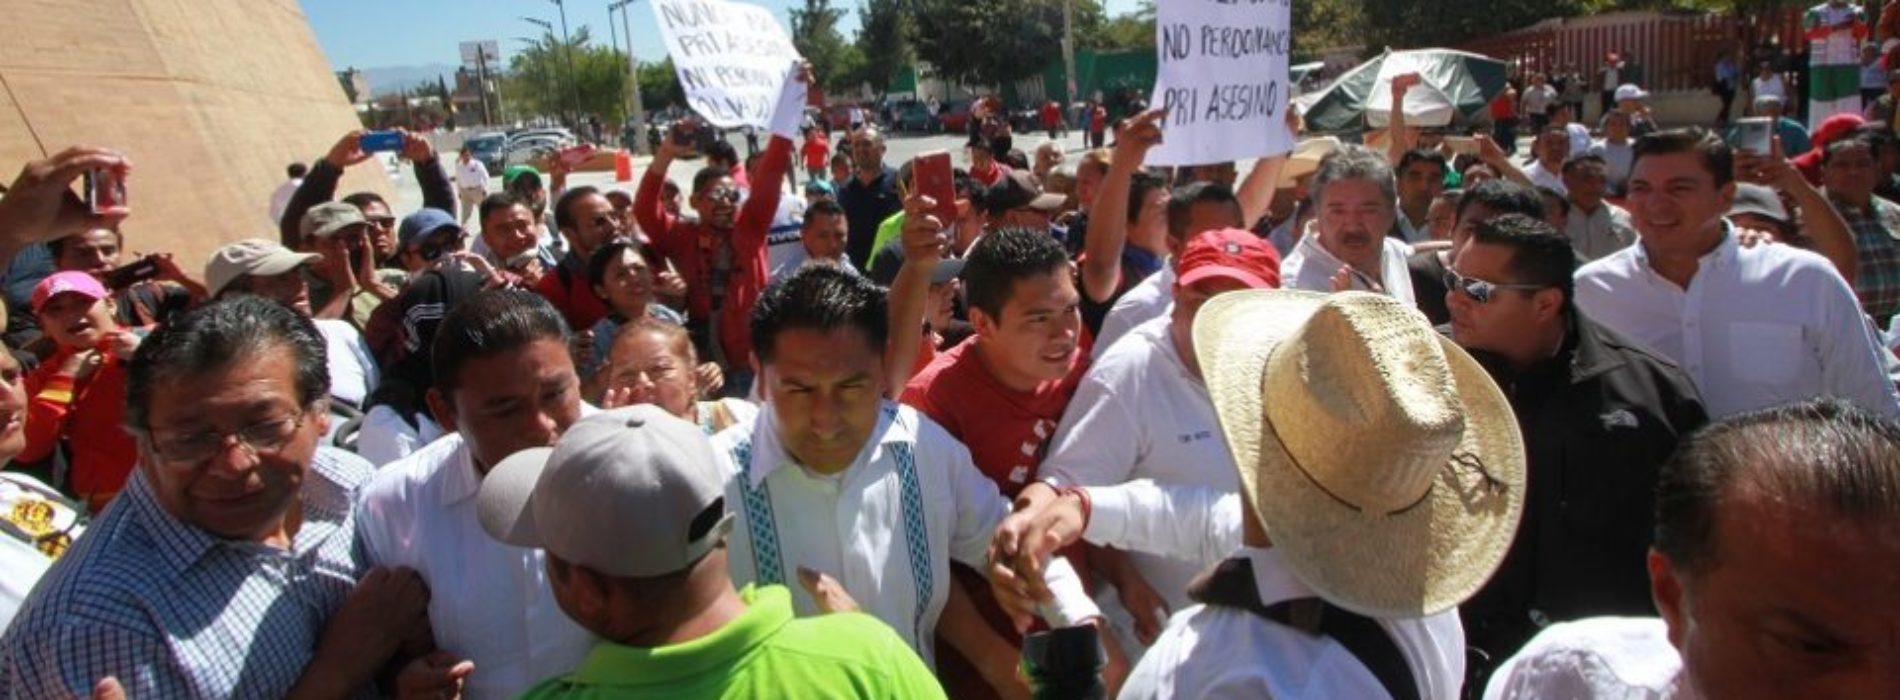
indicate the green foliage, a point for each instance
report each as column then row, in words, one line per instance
column 538, row 80
column 815, row 34
column 660, row 85
column 1133, row 30
column 996, row 42
column 883, row 45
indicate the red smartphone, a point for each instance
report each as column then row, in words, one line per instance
column 105, row 189
column 935, row 179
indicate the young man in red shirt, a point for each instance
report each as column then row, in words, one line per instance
column 78, row 393
column 1003, row 390
column 722, row 256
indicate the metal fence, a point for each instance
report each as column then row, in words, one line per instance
column 1667, row 51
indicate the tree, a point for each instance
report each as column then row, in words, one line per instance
column 883, row 42
column 815, row 34
column 995, row 42
column 537, row 80
column 660, row 86
column 1411, row 24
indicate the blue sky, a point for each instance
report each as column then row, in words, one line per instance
column 382, row 33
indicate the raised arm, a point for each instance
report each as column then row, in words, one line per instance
column 1825, row 226
column 40, row 204
column 319, row 186
column 437, row 191
column 1108, row 216
column 924, row 243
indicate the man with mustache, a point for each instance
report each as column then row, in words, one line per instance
column 1357, row 197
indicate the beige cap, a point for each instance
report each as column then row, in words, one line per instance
column 251, row 256
column 630, row 493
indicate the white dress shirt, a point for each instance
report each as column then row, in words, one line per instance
column 1757, row 327
column 385, row 437
column 856, row 525
column 280, row 198
column 1311, row 267
column 1144, row 302
column 1219, row 652
column 1541, row 177
column 353, row 369
column 1597, row 234
column 1598, row 658
column 489, row 602
column 1139, row 414
column 472, row 175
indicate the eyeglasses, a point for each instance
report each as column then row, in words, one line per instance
column 195, row 449
column 723, row 194
column 382, row 221
column 1479, row 290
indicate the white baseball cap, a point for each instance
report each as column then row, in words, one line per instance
column 1629, row 91
column 631, row 493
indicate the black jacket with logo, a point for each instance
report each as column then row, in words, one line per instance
column 1599, row 419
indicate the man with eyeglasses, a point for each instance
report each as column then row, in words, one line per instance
column 587, row 220
column 1599, row 415
column 320, row 184
column 229, row 566
column 722, row 257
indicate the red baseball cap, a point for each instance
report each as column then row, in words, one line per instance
column 1230, row 253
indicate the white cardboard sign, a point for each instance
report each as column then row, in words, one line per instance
column 1223, row 79
column 734, row 60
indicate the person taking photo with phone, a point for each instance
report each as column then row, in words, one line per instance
column 148, row 291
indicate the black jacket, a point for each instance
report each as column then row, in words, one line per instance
column 319, row 186
column 1599, row 419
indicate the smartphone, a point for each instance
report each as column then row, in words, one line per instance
column 105, row 189
column 936, row 180
column 1754, row 134
column 380, row 141
column 684, row 133
column 124, row 276
column 573, row 156
column 1462, row 145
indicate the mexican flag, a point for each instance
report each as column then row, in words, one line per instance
column 1834, row 30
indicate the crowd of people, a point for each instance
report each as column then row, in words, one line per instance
column 1420, row 421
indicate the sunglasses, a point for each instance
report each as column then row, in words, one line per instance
column 723, row 194
column 1479, row 290
column 382, row 221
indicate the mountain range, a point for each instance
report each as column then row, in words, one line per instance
column 389, row 79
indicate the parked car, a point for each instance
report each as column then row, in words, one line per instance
column 913, row 116
column 531, row 152
column 561, row 136
column 955, row 116
column 489, row 148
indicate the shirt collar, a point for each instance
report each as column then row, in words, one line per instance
column 768, row 454
column 1273, row 577
column 1723, row 254
column 768, row 609
column 459, row 481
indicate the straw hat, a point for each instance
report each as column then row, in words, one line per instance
column 1379, row 457
column 1305, row 158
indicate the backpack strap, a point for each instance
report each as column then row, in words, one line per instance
column 1231, row 585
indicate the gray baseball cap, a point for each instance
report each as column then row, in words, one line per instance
column 632, row 493
column 330, row 217
column 1755, row 199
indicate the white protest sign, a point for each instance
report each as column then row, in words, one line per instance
column 1223, row 80
column 733, row 59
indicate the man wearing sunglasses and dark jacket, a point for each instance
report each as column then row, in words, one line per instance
column 1599, row 415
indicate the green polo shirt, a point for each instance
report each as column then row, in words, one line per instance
column 764, row 653
column 889, row 230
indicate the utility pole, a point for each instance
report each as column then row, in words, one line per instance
column 633, row 77
column 481, row 81
column 554, row 71
column 567, row 49
column 1068, row 53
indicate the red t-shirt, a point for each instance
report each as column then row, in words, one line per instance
column 1007, row 431
column 816, row 151
column 89, row 417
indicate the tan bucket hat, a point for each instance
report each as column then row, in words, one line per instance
column 1380, row 458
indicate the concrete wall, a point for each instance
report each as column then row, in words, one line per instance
column 209, row 98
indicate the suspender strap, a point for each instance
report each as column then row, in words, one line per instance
column 1231, row 585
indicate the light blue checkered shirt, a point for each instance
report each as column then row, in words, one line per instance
column 175, row 612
